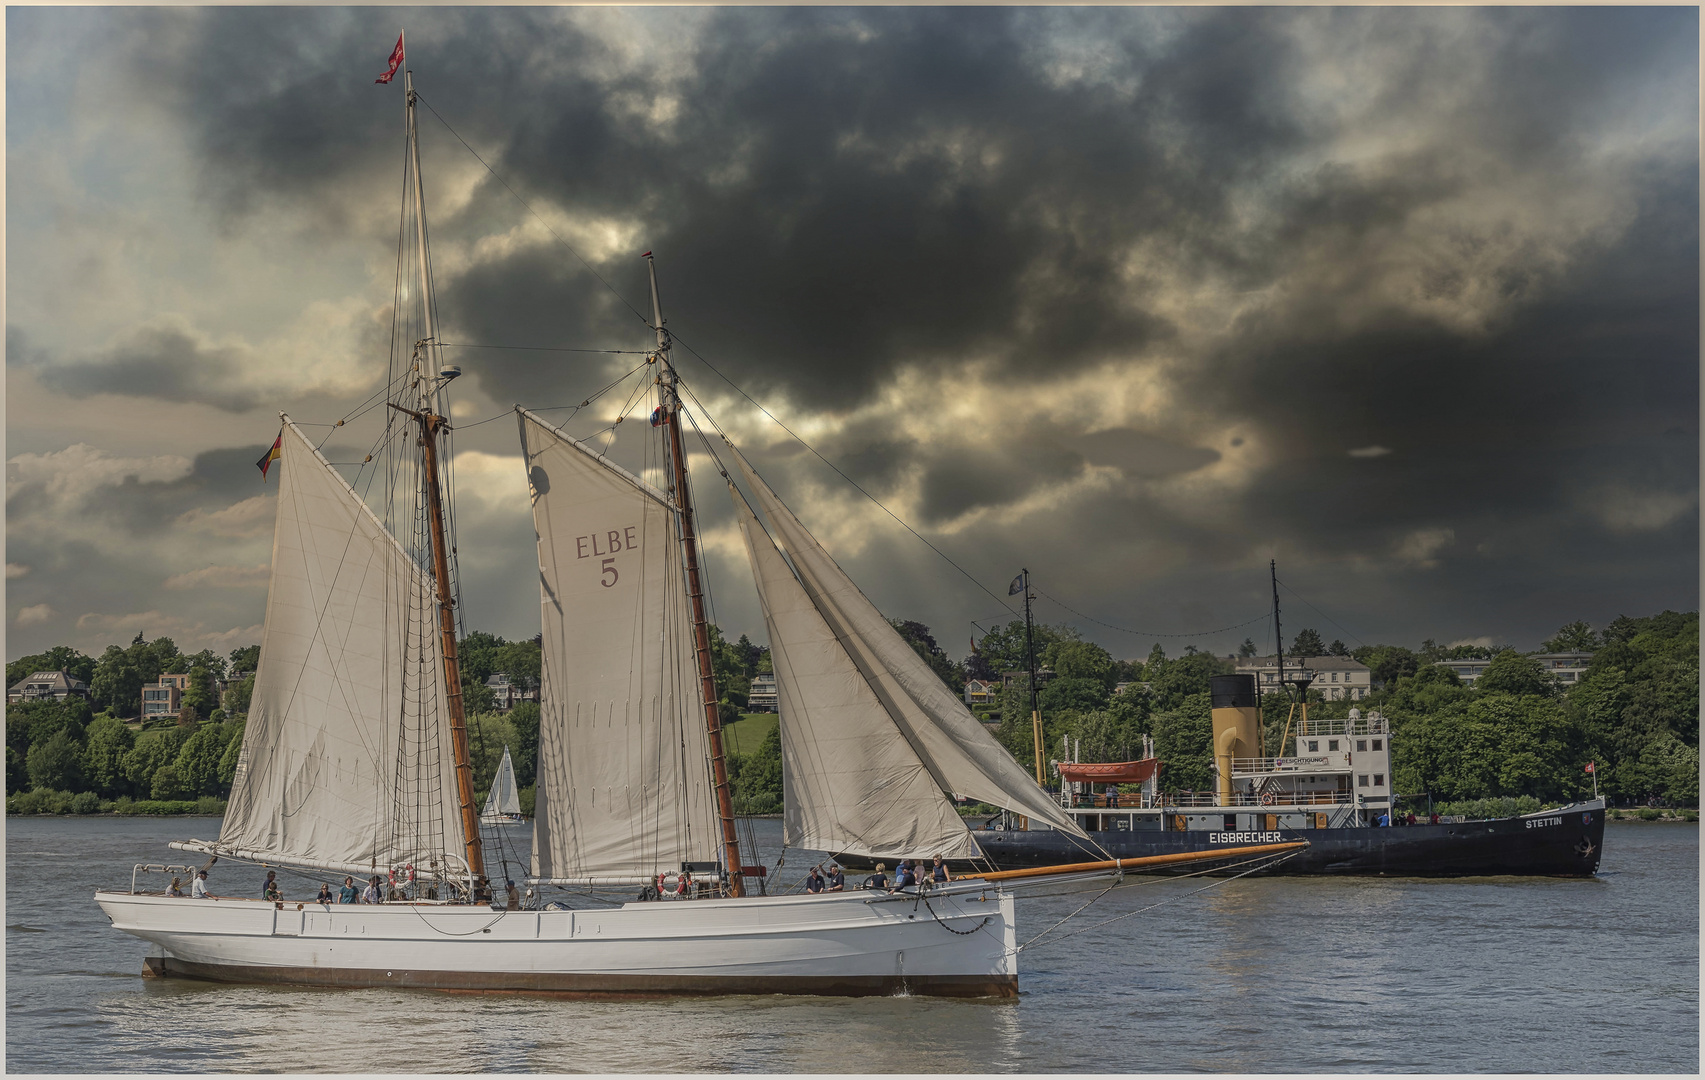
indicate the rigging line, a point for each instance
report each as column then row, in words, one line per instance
column 1318, row 612
column 1145, row 633
column 530, row 210
column 545, row 348
column 1261, row 862
column 841, row 474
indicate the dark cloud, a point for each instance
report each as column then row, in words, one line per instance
column 1454, row 252
column 164, row 362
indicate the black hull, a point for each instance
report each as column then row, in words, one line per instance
column 1564, row 843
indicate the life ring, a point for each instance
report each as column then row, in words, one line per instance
column 1268, row 799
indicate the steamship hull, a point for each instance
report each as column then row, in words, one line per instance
column 962, row 943
column 1555, row 843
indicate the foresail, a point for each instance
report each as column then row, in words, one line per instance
column 851, row 782
column 624, row 788
column 961, row 755
column 346, row 749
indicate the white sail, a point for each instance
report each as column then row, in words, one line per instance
column 504, row 800
column 851, row 782
column 347, row 728
column 952, row 744
column 624, row 789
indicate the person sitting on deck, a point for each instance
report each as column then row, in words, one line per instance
column 837, row 881
column 939, row 871
column 1112, row 795
column 176, row 888
column 904, row 876
column 198, row 891
column 878, row 880
column 271, row 891
column 814, row 880
column 349, row 894
column 325, row 896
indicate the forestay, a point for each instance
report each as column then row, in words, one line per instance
column 346, row 753
column 624, row 788
column 961, row 756
column 852, row 782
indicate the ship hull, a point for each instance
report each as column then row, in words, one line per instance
column 961, row 943
column 1560, row 843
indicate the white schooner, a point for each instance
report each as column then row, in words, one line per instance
column 355, row 757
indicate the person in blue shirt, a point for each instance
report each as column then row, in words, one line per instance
column 904, row 876
column 349, row 894
column 878, row 880
column 939, row 871
column 837, row 881
column 814, row 880
column 1384, row 820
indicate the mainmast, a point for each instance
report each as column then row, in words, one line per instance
column 427, row 380
column 695, row 592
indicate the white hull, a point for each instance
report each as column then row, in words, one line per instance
column 850, row 943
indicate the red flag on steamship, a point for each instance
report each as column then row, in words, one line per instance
column 270, row 456
column 396, row 62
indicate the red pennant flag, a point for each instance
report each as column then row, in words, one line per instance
column 270, row 456
column 1590, row 767
column 396, row 61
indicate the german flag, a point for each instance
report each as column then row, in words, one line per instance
column 270, row 456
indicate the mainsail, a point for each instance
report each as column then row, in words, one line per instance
column 504, row 800
column 624, row 791
column 850, row 783
column 959, row 754
column 342, row 758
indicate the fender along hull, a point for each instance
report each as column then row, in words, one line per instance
column 957, row 944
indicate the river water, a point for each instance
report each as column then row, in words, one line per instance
column 1247, row 975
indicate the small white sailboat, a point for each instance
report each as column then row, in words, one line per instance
column 355, row 759
column 503, row 804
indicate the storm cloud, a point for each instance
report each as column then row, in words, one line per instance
column 1407, row 297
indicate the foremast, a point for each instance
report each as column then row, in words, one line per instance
column 428, row 378
column 695, row 591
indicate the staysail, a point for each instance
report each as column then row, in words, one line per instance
column 504, row 800
column 850, row 782
column 960, row 755
column 624, row 789
column 342, row 758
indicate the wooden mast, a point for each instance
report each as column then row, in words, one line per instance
column 428, row 379
column 695, row 592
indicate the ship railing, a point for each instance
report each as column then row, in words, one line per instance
column 1265, row 801
column 1372, row 724
column 157, row 868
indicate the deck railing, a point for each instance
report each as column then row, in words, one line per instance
column 1209, row 799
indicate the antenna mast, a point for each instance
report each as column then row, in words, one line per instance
column 695, row 591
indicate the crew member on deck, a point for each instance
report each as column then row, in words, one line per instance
column 837, row 881
column 271, row 891
column 198, row 891
column 878, row 880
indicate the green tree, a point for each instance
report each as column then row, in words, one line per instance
column 1111, row 734
column 1387, row 663
column 166, row 784
column 1003, row 647
column 56, row 764
column 233, row 753
column 1247, row 650
column 756, row 778
column 108, row 741
column 1337, row 648
column 1078, row 695
column 152, row 750
column 202, row 694
column 524, row 718
column 1081, row 660
column 197, row 763
column 1512, row 673
column 17, row 772
column 1173, row 681
column 239, row 695
column 1307, row 644
column 59, row 658
column 923, row 643
column 520, row 660
column 246, row 659
column 1183, row 741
